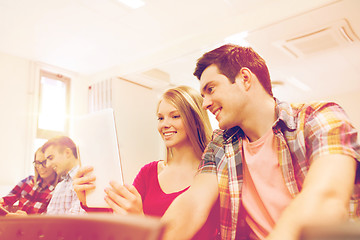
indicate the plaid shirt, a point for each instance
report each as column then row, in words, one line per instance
column 64, row 199
column 32, row 199
column 303, row 133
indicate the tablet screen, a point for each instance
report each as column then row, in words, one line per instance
column 96, row 137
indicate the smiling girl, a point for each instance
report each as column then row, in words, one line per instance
column 185, row 129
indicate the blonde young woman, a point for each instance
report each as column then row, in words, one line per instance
column 185, row 129
column 34, row 192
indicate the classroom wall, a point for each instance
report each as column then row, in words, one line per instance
column 15, row 99
column 18, row 101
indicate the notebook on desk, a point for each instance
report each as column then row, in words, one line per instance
column 96, row 137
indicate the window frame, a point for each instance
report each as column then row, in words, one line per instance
column 46, row 133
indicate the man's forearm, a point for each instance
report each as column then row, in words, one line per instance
column 182, row 219
column 324, row 198
column 189, row 211
column 307, row 211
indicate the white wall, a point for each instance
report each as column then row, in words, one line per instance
column 14, row 104
column 18, row 101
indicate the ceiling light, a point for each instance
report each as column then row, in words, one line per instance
column 132, row 3
column 333, row 35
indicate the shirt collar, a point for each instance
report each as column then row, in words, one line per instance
column 285, row 115
column 230, row 133
column 71, row 173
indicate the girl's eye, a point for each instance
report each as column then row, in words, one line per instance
column 160, row 118
column 176, row 116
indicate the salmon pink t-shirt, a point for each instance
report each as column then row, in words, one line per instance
column 264, row 193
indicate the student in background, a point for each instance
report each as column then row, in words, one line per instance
column 61, row 155
column 33, row 192
column 277, row 167
column 185, row 129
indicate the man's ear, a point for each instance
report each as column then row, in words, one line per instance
column 68, row 152
column 246, row 75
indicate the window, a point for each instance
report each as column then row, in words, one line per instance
column 53, row 113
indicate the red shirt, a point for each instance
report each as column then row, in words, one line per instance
column 156, row 202
column 32, row 199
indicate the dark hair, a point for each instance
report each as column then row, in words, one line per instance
column 230, row 59
column 62, row 142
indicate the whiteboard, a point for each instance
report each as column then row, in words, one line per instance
column 96, row 137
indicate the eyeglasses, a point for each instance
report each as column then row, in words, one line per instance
column 37, row 164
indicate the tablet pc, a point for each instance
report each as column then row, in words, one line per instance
column 96, row 137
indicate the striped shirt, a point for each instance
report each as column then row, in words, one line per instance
column 32, row 199
column 64, row 199
column 303, row 133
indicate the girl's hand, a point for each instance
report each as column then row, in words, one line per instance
column 124, row 199
column 83, row 181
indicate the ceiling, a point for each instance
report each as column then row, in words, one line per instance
column 159, row 43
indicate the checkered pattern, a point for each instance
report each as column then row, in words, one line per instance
column 303, row 133
column 64, row 199
column 32, row 199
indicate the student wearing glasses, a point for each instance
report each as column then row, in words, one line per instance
column 33, row 193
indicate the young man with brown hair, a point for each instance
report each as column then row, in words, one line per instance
column 275, row 167
column 61, row 155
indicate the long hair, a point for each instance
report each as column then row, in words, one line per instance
column 230, row 58
column 196, row 120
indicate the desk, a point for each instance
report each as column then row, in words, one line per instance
column 344, row 231
column 93, row 226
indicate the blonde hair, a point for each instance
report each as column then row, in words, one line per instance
column 196, row 120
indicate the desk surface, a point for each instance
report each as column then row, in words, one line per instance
column 344, row 231
column 94, row 226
